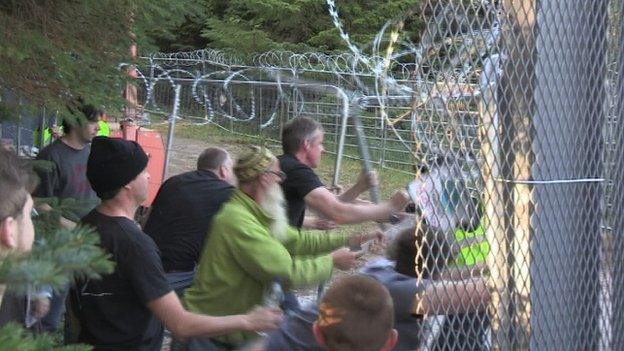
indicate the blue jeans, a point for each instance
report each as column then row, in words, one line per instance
column 290, row 302
column 180, row 281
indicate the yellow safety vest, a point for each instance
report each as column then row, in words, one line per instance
column 476, row 252
column 47, row 137
column 104, row 128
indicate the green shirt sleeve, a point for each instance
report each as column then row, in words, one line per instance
column 265, row 258
column 309, row 243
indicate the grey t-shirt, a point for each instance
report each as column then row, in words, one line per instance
column 68, row 177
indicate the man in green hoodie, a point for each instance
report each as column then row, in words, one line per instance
column 251, row 246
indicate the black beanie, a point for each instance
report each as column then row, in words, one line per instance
column 114, row 163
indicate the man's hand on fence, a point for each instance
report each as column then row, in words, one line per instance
column 399, row 200
column 367, row 180
column 359, row 239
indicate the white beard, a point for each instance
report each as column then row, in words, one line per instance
column 274, row 205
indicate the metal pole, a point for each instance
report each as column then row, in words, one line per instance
column 566, row 139
column 343, row 131
column 149, row 99
column 617, row 301
column 384, row 139
column 171, row 132
column 354, row 113
column 19, row 126
column 42, row 127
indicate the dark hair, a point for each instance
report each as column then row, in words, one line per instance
column 85, row 113
column 296, row 131
column 356, row 313
column 433, row 256
column 16, row 181
column 211, row 158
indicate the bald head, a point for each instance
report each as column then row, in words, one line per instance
column 219, row 162
column 211, row 158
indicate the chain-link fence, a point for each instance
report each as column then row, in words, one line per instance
column 507, row 112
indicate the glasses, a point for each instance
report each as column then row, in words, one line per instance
column 280, row 174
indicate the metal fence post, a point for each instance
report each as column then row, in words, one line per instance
column 18, row 127
column 549, row 237
column 341, row 139
column 171, row 131
column 545, row 243
column 42, row 128
column 568, row 146
column 617, row 321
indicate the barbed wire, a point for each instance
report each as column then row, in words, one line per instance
column 394, row 74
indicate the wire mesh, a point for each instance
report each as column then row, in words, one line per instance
column 508, row 114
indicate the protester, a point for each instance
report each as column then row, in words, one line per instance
column 302, row 144
column 182, row 212
column 68, row 161
column 124, row 310
column 251, row 248
column 67, row 180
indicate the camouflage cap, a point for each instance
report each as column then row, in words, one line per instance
column 252, row 163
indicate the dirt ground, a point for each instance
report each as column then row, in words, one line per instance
column 184, row 154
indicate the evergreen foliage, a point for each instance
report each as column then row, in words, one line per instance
column 53, row 52
column 13, row 337
column 250, row 26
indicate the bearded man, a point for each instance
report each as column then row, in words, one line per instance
column 251, row 246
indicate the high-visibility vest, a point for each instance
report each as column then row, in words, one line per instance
column 47, row 137
column 104, row 128
column 476, row 252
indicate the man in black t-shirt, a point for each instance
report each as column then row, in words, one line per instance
column 302, row 143
column 124, row 310
column 182, row 212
